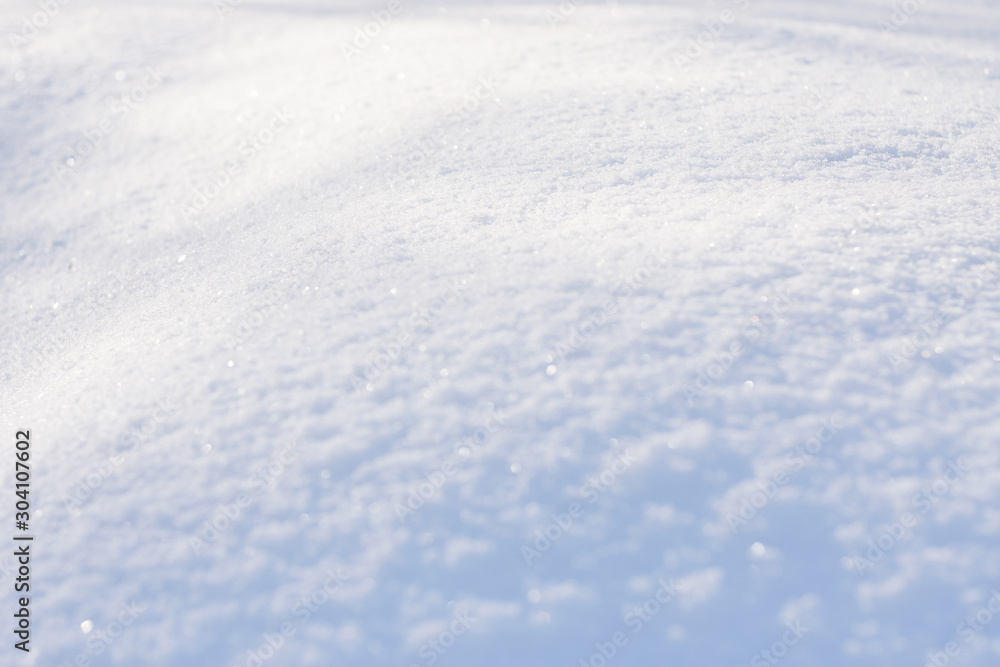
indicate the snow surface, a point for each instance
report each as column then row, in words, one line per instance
column 666, row 274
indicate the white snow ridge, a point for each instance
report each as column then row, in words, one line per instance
column 393, row 333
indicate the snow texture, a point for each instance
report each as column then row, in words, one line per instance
column 517, row 334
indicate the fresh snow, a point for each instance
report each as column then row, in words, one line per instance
column 516, row 332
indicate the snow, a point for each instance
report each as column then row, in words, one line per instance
column 514, row 338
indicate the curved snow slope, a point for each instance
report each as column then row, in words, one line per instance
column 509, row 322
